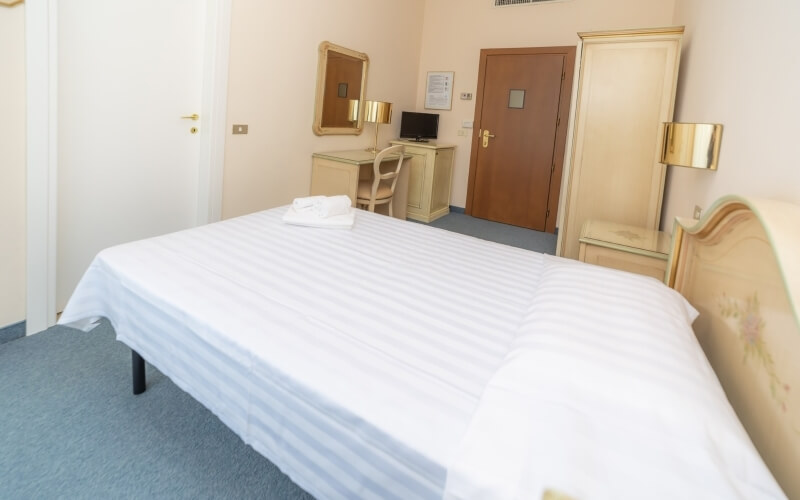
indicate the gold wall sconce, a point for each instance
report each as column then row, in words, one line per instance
column 376, row 112
column 691, row 145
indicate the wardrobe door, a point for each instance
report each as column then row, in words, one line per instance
column 626, row 91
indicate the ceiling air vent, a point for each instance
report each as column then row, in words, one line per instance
column 506, row 3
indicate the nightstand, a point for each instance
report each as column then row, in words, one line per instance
column 628, row 248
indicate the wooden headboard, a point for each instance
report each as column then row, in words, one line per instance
column 740, row 267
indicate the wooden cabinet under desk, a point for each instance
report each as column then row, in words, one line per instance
column 338, row 172
column 628, row 248
column 429, row 179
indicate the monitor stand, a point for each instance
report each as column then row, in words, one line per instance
column 419, row 139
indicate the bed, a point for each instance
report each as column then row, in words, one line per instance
column 395, row 360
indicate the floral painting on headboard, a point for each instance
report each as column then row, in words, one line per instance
column 750, row 325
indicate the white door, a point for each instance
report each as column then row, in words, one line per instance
column 128, row 164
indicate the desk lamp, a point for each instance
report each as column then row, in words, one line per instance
column 376, row 112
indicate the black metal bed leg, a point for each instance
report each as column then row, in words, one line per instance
column 137, row 370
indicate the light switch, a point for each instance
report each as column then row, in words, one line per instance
column 466, row 96
column 466, row 123
column 240, row 129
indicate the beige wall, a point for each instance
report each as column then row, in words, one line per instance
column 272, row 83
column 456, row 30
column 741, row 68
column 12, row 165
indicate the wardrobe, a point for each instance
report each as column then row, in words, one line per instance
column 626, row 92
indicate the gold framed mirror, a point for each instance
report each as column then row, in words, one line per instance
column 341, row 78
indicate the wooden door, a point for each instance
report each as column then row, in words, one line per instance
column 523, row 104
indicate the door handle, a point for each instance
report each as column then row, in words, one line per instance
column 194, row 117
column 486, row 136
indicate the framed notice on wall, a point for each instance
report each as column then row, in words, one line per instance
column 439, row 90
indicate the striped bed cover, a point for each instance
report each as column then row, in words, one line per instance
column 352, row 359
column 606, row 394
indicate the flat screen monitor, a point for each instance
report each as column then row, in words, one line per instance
column 419, row 126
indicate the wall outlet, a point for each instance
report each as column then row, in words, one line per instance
column 240, row 129
column 462, row 132
column 698, row 211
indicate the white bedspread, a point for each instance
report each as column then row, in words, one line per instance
column 396, row 360
column 606, row 394
column 354, row 360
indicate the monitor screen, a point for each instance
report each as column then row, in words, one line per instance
column 419, row 126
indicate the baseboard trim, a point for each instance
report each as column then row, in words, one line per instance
column 12, row 332
column 458, row 210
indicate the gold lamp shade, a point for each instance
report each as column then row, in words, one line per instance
column 691, row 145
column 352, row 110
column 376, row 112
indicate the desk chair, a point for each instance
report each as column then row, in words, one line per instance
column 379, row 190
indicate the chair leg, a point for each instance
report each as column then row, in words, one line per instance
column 390, row 208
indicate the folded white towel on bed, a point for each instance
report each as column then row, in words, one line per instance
column 312, row 219
column 306, row 203
column 331, row 206
column 323, row 206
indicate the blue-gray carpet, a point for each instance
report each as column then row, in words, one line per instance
column 495, row 231
column 12, row 332
column 71, row 428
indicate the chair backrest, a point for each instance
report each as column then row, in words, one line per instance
column 387, row 174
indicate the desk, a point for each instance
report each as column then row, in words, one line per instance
column 628, row 248
column 338, row 172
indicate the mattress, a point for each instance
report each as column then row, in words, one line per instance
column 352, row 359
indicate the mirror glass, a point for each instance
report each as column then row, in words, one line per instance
column 341, row 78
